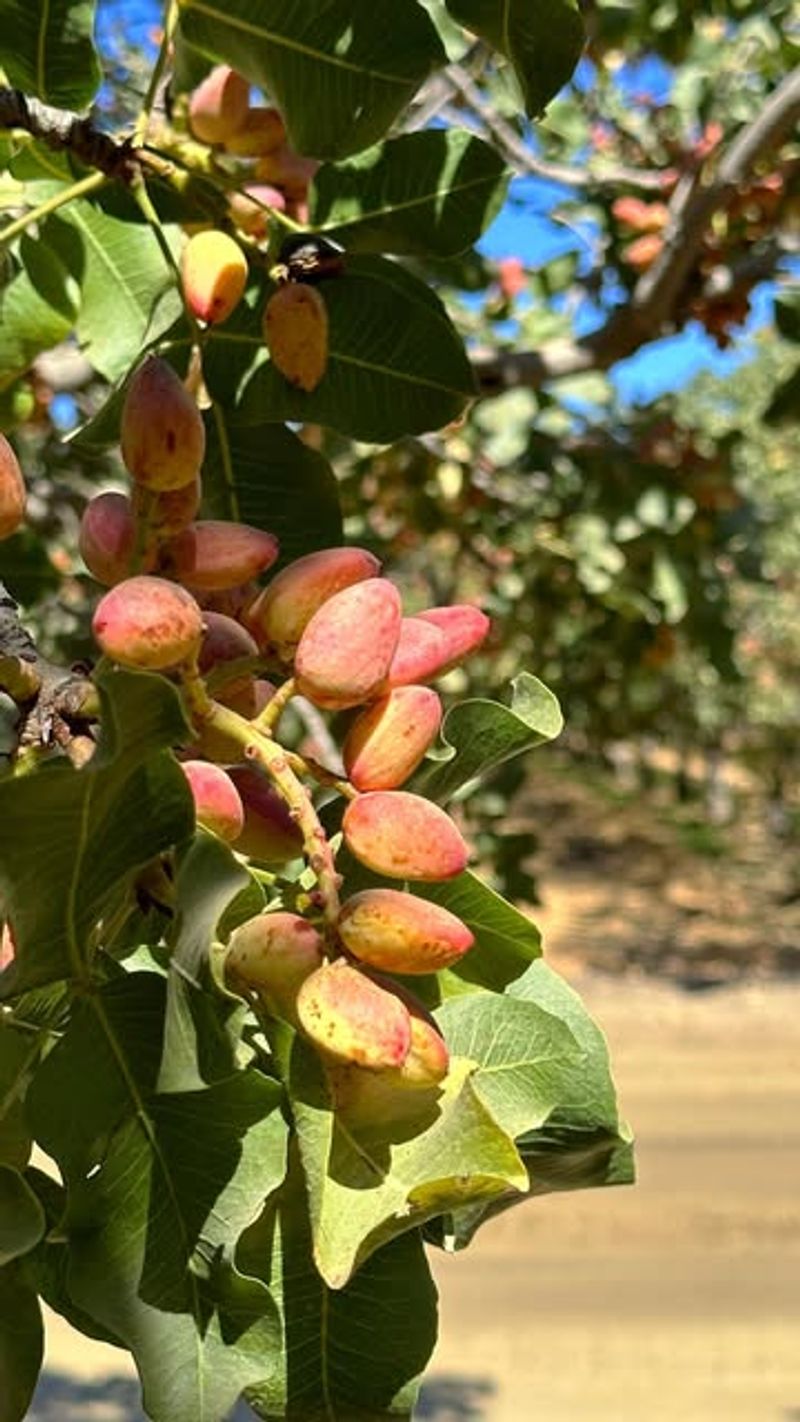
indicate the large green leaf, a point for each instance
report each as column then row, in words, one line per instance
column 582, row 1144
column 265, row 475
column 361, row 69
column 22, row 1220
column 21, row 1343
column 431, row 193
column 384, row 1159
column 71, row 840
column 529, row 1062
column 46, row 49
column 152, row 1231
column 396, row 364
column 336, row 1365
column 479, row 736
column 38, row 308
column 543, row 39
column 128, row 291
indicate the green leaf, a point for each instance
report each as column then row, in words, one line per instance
column 431, row 193
column 337, row 1366
column 265, row 475
column 128, row 291
column 199, row 1047
column 527, row 1059
column 479, row 736
column 22, row 1221
column 506, row 940
column 21, row 1343
column 151, row 1232
column 38, row 308
column 543, row 39
column 396, row 364
column 89, row 830
column 361, row 70
column 19, row 1053
column 386, row 1159
column 46, row 49
column 582, row 1144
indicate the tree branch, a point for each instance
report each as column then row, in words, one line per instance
column 62, row 130
column 656, row 295
column 528, row 164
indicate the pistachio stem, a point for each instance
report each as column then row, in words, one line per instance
column 261, row 749
column 266, row 722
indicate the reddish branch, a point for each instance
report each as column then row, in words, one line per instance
column 658, row 291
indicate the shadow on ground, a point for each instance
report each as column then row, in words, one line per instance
column 60, row 1398
column 454, row 1399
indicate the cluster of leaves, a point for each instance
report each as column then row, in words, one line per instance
column 216, row 1211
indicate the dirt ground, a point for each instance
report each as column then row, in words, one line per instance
column 641, row 884
column 677, row 1300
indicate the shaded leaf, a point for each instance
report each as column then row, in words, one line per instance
column 337, row 1366
column 396, row 365
column 92, row 828
column 19, row 1053
column 199, row 1048
column 543, row 39
column 361, row 70
column 263, row 474
column 22, row 1220
column 21, row 1343
column 47, row 50
column 431, row 193
column 384, row 1160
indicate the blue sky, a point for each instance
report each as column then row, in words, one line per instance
column 525, row 228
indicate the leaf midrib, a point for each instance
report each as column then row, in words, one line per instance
column 295, row 45
column 422, row 201
column 41, row 48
